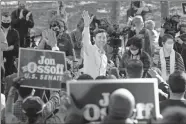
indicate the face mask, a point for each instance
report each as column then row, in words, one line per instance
column 5, row 25
column 134, row 52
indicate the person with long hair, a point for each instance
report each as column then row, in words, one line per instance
column 169, row 59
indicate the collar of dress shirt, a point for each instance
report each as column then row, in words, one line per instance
column 100, row 51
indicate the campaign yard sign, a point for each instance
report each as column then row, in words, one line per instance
column 94, row 96
column 42, row 69
column 184, row 8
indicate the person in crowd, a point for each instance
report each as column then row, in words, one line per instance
column 139, row 30
column 3, row 47
column 180, row 46
column 138, row 8
column 173, row 115
column 177, row 84
column 12, row 37
column 154, row 36
column 33, row 106
column 22, row 21
column 169, row 59
column 85, row 77
column 121, row 107
column 56, row 38
column 76, row 36
column 95, row 60
column 135, row 52
column 23, row 93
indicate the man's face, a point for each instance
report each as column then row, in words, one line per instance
column 138, row 23
column 6, row 19
column 100, row 39
column 22, row 4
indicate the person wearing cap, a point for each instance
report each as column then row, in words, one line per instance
column 121, row 107
column 32, row 106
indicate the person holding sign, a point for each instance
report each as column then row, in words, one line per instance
column 95, row 60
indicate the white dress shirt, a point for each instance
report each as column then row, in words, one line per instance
column 95, row 61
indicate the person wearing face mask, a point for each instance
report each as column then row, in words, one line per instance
column 140, row 30
column 169, row 60
column 22, row 21
column 12, row 37
column 59, row 40
column 135, row 52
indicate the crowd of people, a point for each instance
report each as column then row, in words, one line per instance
column 147, row 54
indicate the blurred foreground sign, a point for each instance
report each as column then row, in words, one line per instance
column 94, row 96
column 184, row 8
column 42, row 69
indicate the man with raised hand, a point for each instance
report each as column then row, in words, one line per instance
column 95, row 60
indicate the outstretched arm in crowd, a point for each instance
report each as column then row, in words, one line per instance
column 88, row 47
column 9, row 116
column 29, row 20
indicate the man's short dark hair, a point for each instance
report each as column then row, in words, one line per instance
column 25, row 92
column 97, row 31
column 5, row 14
column 101, row 77
column 177, row 82
column 174, row 115
column 85, row 77
column 134, row 68
column 135, row 41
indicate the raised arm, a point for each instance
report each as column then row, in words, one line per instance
column 86, row 32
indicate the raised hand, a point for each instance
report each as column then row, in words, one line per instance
column 21, row 14
column 87, row 19
column 28, row 16
column 50, row 37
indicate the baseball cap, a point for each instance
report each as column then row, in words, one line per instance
column 32, row 106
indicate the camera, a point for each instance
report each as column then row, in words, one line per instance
column 171, row 25
column 114, row 36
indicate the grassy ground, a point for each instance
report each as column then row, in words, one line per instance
column 101, row 9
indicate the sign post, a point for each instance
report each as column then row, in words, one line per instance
column 43, row 69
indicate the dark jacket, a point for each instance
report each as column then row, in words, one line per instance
column 21, row 25
column 64, row 43
column 144, row 57
column 12, row 39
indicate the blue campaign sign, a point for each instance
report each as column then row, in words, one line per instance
column 94, row 96
column 42, row 69
column 184, row 8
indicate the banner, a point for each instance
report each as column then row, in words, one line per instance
column 94, row 96
column 184, row 8
column 43, row 69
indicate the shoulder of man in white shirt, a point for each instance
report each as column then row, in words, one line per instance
column 3, row 103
